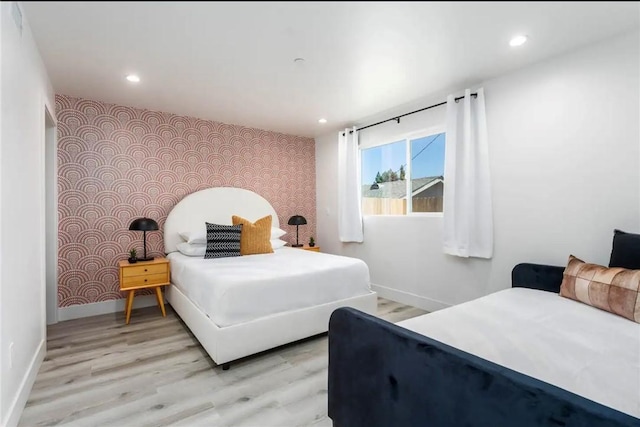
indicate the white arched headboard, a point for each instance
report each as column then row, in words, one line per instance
column 217, row 206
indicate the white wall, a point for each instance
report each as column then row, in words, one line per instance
column 565, row 164
column 24, row 91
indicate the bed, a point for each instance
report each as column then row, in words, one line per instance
column 240, row 306
column 520, row 357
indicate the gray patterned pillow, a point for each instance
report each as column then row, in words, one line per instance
column 223, row 240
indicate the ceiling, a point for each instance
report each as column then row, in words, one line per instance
column 233, row 62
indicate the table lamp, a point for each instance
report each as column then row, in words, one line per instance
column 144, row 225
column 297, row 220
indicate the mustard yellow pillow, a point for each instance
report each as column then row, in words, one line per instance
column 254, row 238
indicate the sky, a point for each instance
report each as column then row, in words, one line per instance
column 429, row 162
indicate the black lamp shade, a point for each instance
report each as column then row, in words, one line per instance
column 297, row 220
column 144, row 224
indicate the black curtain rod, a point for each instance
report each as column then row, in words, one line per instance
column 397, row 118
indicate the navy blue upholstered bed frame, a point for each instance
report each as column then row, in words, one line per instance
column 381, row 374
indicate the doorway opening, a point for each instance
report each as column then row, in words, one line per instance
column 51, row 216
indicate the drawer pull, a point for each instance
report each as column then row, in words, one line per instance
column 145, row 280
column 145, row 270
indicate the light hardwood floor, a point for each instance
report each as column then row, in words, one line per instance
column 152, row 372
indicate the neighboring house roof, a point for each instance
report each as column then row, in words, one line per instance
column 398, row 189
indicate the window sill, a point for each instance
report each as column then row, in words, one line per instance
column 411, row 215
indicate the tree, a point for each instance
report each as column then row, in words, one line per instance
column 402, row 173
column 389, row 176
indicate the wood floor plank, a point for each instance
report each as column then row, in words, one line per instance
column 153, row 372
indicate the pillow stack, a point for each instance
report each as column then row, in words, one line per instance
column 276, row 233
column 190, row 249
column 242, row 238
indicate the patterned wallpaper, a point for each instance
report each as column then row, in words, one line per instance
column 118, row 163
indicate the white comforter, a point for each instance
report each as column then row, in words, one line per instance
column 239, row 289
column 571, row 345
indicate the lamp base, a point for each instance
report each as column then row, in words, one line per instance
column 297, row 246
column 149, row 258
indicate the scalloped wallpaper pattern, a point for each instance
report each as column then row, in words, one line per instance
column 118, row 163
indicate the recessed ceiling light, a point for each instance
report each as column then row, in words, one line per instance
column 518, row 41
column 133, row 78
column 323, row 121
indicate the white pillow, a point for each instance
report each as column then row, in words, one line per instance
column 200, row 237
column 189, row 249
column 276, row 233
column 195, row 237
column 277, row 243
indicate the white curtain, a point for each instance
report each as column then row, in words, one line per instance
column 349, row 188
column 468, row 216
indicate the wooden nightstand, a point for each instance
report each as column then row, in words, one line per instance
column 309, row 248
column 142, row 275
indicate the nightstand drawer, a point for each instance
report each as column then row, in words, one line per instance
column 145, row 279
column 142, row 270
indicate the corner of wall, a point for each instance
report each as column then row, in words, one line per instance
column 14, row 412
column 326, row 202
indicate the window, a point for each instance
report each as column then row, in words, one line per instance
column 404, row 176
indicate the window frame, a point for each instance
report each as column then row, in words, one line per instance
column 407, row 137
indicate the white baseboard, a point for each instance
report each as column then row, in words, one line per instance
column 408, row 298
column 104, row 307
column 17, row 405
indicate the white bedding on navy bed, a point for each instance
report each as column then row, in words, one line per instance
column 239, row 289
column 576, row 347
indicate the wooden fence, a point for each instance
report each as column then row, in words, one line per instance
column 382, row 206
column 426, row 204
